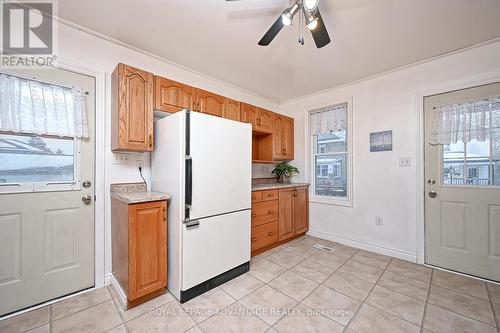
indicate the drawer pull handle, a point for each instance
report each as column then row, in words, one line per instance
column 270, row 195
column 271, row 233
column 254, row 215
column 254, row 240
column 270, row 212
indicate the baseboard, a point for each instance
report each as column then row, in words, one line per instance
column 408, row 256
column 107, row 280
column 122, row 297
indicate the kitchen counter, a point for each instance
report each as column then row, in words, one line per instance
column 272, row 186
column 131, row 193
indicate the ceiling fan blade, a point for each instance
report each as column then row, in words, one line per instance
column 320, row 35
column 272, row 32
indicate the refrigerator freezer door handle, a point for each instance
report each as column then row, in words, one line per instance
column 192, row 224
column 189, row 181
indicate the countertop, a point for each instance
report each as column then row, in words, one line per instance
column 131, row 193
column 272, row 186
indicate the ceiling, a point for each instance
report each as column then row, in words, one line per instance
column 219, row 38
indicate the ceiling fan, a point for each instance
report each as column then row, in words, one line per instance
column 313, row 21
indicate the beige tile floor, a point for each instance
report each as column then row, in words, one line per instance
column 295, row 288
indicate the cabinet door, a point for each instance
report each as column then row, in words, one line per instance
column 232, row 110
column 249, row 114
column 132, row 128
column 286, row 227
column 209, row 103
column 171, row 96
column 147, row 248
column 279, row 150
column 301, row 210
column 265, row 121
column 287, row 135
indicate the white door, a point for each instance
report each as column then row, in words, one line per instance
column 46, row 230
column 221, row 152
column 462, row 195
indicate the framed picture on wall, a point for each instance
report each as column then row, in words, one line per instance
column 381, row 141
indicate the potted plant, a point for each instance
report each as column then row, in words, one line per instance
column 284, row 171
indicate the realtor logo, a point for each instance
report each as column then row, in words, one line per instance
column 28, row 33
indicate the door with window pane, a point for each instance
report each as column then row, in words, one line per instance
column 462, row 186
column 46, row 230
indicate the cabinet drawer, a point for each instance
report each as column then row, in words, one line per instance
column 264, row 212
column 256, row 196
column 270, row 195
column 264, row 235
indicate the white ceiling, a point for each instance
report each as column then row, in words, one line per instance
column 219, row 38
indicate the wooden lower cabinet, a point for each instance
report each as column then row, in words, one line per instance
column 139, row 249
column 278, row 216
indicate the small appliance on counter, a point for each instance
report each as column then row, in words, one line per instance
column 205, row 163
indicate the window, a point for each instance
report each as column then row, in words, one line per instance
column 330, row 155
column 469, row 134
column 37, row 162
column 476, row 163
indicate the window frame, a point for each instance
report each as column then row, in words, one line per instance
column 34, row 187
column 347, row 201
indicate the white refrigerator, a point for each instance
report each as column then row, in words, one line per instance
column 205, row 163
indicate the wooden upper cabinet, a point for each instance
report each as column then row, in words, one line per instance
column 209, row 103
column 172, row 96
column 131, row 109
column 147, row 253
column 249, row 114
column 232, row 110
column 265, row 121
column 261, row 119
column 301, row 209
column 283, row 138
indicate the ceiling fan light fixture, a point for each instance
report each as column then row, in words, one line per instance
column 311, row 20
column 310, row 5
column 289, row 13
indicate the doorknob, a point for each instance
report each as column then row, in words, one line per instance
column 87, row 199
column 432, row 194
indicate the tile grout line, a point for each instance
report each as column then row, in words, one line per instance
column 301, row 302
column 366, row 297
column 460, row 314
column 426, row 302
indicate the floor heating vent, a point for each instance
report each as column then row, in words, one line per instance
column 323, row 248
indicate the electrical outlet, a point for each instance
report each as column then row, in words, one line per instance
column 404, row 162
column 139, row 163
column 121, row 159
column 379, row 221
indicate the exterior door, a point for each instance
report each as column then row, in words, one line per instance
column 46, row 230
column 462, row 195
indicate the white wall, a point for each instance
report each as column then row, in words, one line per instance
column 84, row 50
column 381, row 188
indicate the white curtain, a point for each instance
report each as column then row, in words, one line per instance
column 333, row 119
column 33, row 107
column 474, row 120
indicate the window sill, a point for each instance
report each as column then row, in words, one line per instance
column 333, row 202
